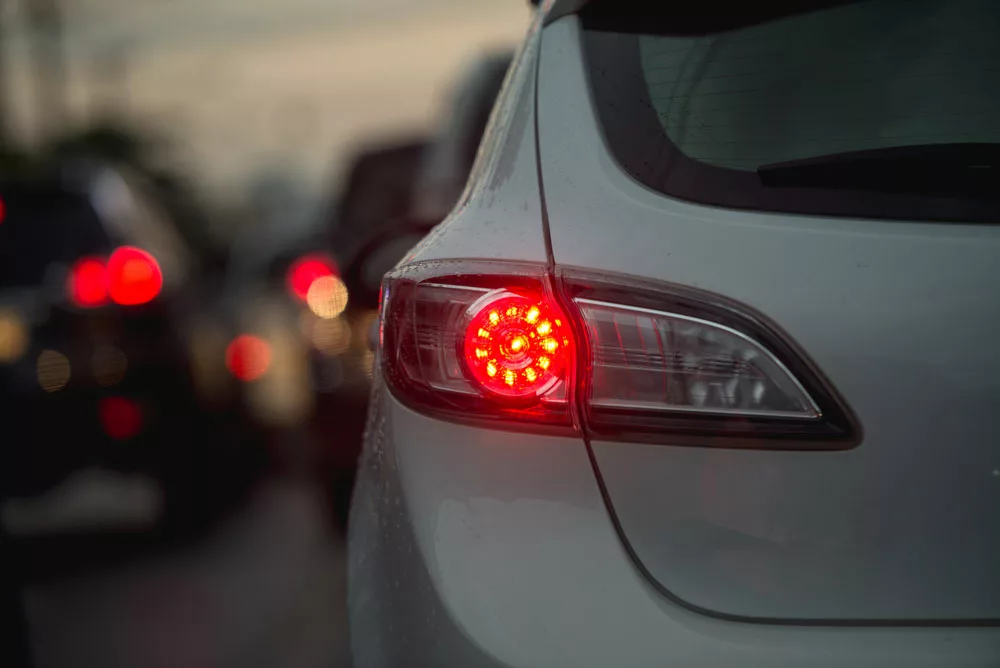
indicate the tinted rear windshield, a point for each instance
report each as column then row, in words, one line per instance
column 41, row 226
column 885, row 108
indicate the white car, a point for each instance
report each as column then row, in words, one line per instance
column 703, row 370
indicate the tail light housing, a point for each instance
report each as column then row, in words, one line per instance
column 519, row 348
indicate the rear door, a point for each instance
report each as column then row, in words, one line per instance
column 656, row 138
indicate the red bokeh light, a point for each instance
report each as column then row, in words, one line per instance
column 307, row 269
column 121, row 418
column 87, row 283
column 134, row 276
column 516, row 346
column 248, row 357
column 3, row 210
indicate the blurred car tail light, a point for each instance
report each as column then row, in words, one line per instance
column 87, row 283
column 305, row 271
column 511, row 345
column 121, row 418
column 248, row 357
column 134, row 276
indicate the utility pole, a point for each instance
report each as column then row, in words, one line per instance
column 45, row 21
column 5, row 129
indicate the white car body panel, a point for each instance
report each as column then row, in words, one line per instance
column 901, row 317
column 476, row 547
column 481, row 548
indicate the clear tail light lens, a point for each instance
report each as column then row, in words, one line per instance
column 494, row 342
column 647, row 360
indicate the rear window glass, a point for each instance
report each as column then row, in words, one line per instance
column 885, row 108
column 41, row 226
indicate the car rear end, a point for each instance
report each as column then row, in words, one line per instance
column 770, row 438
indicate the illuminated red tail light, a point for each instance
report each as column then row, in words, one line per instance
column 134, row 276
column 479, row 345
column 305, row 271
column 87, row 283
column 518, row 347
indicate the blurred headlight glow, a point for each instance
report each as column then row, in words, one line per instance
column 13, row 337
column 327, row 297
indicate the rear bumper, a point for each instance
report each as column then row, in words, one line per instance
column 472, row 547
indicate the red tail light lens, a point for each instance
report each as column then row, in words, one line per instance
column 134, row 276
column 87, row 283
column 305, row 271
column 493, row 342
column 516, row 346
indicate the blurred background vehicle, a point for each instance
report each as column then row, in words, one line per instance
column 99, row 291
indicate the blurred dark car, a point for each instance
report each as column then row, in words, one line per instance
column 393, row 197
column 102, row 317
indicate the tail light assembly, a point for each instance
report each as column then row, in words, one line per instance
column 517, row 347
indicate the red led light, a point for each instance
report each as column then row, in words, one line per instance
column 121, row 418
column 134, row 276
column 307, row 269
column 87, row 283
column 248, row 357
column 516, row 346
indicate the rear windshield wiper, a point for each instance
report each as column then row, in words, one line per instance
column 959, row 170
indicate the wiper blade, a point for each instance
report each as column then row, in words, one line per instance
column 958, row 170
